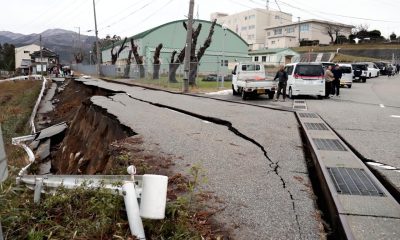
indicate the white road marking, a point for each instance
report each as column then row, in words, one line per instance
column 395, row 116
column 374, row 164
column 388, row 167
column 381, row 105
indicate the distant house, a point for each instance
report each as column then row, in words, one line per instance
column 287, row 35
column 23, row 58
column 276, row 56
column 49, row 60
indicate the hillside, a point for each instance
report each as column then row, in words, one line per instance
column 374, row 51
column 63, row 42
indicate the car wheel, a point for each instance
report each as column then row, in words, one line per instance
column 234, row 92
column 244, row 95
column 370, row 75
column 271, row 95
column 291, row 93
column 364, row 80
column 349, row 85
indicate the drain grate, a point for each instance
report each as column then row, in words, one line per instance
column 354, row 181
column 316, row 126
column 300, row 107
column 329, row 144
column 308, row 115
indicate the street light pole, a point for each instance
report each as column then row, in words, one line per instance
column 188, row 47
column 224, row 27
column 97, row 41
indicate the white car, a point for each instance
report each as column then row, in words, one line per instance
column 373, row 70
column 347, row 74
column 305, row 79
column 250, row 79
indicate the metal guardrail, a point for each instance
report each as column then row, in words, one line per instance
column 152, row 189
column 35, row 109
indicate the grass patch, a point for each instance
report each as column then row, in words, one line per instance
column 201, row 86
column 333, row 48
column 17, row 100
column 349, row 58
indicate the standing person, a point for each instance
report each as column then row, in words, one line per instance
column 389, row 70
column 329, row 77
column 337, row 75
column 282, row 76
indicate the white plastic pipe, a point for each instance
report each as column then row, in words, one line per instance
column 132, row 210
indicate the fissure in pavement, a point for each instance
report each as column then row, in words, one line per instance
column 273, row 165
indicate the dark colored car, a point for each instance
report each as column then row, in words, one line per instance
column 214, row 77
column 360, row 71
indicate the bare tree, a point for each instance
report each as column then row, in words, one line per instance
column 333, row 31
column 114, row 56
column 138, row 59
column 194, row 59
column 128, row 62
column 156, row 62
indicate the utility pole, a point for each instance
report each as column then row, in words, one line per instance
column 299, row 29
column 188, row 47
column 41, row 56
column 97, row 40
column 267, row 6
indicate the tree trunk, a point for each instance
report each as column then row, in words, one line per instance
column 193, row 73
column 127, row 69
column 173, row 67
column 156, row 62
column 142, row 72
column 138, row 59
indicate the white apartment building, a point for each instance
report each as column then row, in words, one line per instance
column 287, row 35
column 251, row 24
column 22, row 55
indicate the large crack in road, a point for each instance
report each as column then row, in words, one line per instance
column 273, row 165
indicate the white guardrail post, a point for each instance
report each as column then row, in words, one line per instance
column 33, row 115
column 3, row 169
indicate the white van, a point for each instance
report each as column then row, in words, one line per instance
column 305, row 79
column 250, row 79
column 347, row 74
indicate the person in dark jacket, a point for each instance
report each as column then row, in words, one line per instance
column 337, row 75
column 282, row 76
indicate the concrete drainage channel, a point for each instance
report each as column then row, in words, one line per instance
column 356, row 200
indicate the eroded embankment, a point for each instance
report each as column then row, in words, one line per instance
column 85, row 147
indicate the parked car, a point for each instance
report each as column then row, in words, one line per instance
column 372, row 70
column 250, row 79
column 360, row 71
column 347, row 75
column 382, row 67
column 305, row 79
column 215, row 77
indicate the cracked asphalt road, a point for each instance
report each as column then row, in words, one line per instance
column 253, row 157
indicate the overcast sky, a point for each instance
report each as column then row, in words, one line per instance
column 129, row 17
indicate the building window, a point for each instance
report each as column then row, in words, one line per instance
column 264, row 58
column 277, row 17
column 244, row 28
column 256, row 59
column 252, row 16
column 278, row 31
column 250, row 37
column 26, row 51
column 268, row 33
column 290, row 29
column 272, row 42
column 245, row 18
column 305, row 27
column 252, row 27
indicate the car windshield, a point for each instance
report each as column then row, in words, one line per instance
column 345, row 69
column 309, row 70
column 359, row 67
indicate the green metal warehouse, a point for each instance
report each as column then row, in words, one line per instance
column 225, row 44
